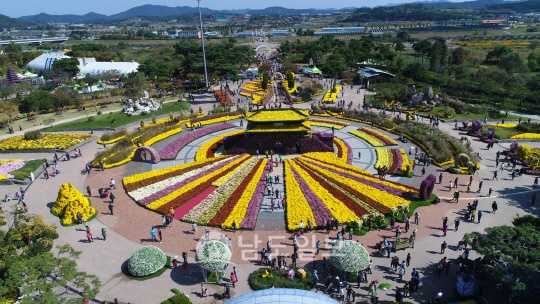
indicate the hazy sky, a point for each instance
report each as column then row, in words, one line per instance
column 29, row 7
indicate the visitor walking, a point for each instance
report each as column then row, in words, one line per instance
column 88, row 191
column 443, row 247
column 89, row 236
column 104, row 233
column 111, row 208
column 494, row 207
column 416, row 218
column 456, row 224
column 112, row 183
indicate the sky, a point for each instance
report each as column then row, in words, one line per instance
column 108, row 7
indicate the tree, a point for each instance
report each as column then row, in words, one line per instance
column 438, row 55
column 512, row 63
column 134, row 85
column 31, row 273
column 335, row 65
column 65, row 96
column 38, row 100
column 494, row 56
column 458, row 56
column 422, row 47
column 290, row 80
column 403, row 36
column 533, row 61
column 511, row 259
column 265, row 80
column 66, row 67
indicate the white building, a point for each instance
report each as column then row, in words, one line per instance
column 87, row 66
column 44, row 62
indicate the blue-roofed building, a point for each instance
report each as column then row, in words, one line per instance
column 282, row 296
column 349, row 30
column 369, row 75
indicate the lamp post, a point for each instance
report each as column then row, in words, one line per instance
column 203, row 46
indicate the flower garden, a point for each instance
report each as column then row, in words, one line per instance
column 321, row 187
column 227, row 190
column 222, row 191
column 254, row 90
column 331, row 95
column 46, row 141
column 395, row 161
column 18, row 168
column 373, row 137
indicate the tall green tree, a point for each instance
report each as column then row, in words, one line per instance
column 134, row 85
column 31, row 273
column 511, row 259
column 66, row 67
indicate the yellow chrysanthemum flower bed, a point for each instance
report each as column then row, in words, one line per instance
column 370, row 139
column 298, row 208
column 202, row 153
column 508, row 125
column 331, row 97
column 48, row 141
column 69, row 203
column 239, row 212
column 531, row 136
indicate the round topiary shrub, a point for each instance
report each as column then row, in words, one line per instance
column 213, row 255
column 349, row 256
column 146, row 261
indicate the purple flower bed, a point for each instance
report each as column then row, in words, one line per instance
column 147, row 200
column 171, row 150
column 6, row 168
column 321, row 213
column 250, row 220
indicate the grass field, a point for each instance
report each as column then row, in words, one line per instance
column 30, row 166
column 115, row 119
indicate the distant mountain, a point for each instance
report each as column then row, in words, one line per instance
column 47, row 18
column 159, row 11
column 8, row 22
column 518, row 6
column 164, row 12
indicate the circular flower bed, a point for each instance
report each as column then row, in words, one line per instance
column 146, row 261
column 349, row 256
column 213, row 255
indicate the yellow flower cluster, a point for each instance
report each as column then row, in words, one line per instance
column 336, row 207
column 213, row 120
column 253, row 89
column 110, row 141
column 298, row 209
column 169, row 197
column 530, row 155
column 324, row 124
column 330, row 160
column 382, row 197
column 3, row 177
column 47, row 141
column 239, row 211
column 508, row 125
column 203, row 150
column 372, row 140
column 384, row 158
column 71, row 202
column 531, row 136
column 331, row 97
column 406, row 162
column 285, row 84
column 343, row 148
column 278, row 115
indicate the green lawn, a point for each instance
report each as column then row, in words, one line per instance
column 30, row 166
column 115, row 119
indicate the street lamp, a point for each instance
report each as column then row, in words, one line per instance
column 202, row 42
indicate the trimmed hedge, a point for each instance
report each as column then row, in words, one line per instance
column 146, row 261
